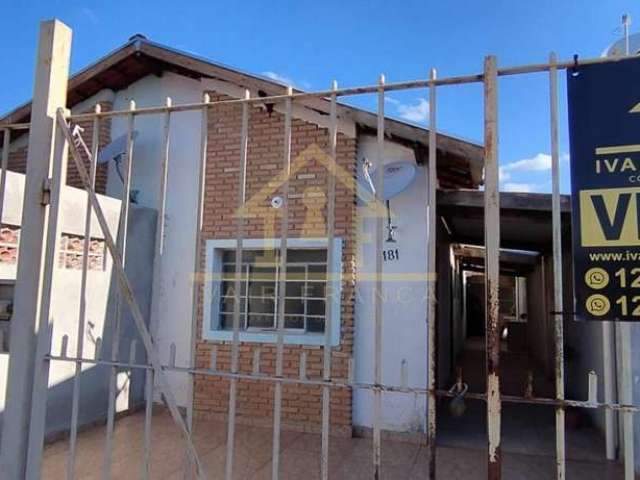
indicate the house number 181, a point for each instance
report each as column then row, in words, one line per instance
column 391, row 255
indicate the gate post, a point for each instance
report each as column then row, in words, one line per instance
column 36, row 259
column 492, row 264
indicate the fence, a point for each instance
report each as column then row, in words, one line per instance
column 52, row 134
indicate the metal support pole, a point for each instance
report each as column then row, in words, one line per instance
column 282, row 287
column 6, row 146
column 432, row 184
column 197, row 262
column 82, row 314
column 557, row 268
column 332, row 275
column 35, row 264
column 235, row 345
column 377, row 359
column 624, row 331
column 492, row 265
column 117, row 321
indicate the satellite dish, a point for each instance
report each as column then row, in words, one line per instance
column 116, row 148
column 397, row 177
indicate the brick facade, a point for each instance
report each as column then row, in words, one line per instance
column 18, row 158
column 302, row 408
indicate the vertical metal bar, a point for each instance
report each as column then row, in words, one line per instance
column 332, row 276
column 609, row 385
column 432, row 184
column 32, row 278
column 197, row 266
column 6, row 145
column 377, row 358
column 148, row 412
column 557, row 267
column 624, row 328
column 82, row 314
column 116, row 324
column 282, row 283
column 492, row 264
column 235, row 346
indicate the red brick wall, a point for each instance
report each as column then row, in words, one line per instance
column 307, row 211
column 18, row 158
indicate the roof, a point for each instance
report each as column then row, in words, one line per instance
column 525, row 218
column 140, row 57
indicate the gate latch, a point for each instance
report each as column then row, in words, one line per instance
column 46, row 191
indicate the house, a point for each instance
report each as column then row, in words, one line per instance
column 148, row 73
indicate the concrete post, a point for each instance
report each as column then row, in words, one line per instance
column 33, row 280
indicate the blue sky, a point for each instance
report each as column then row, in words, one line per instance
column 311, row 43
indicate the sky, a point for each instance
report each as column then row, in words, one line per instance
column 309, row 44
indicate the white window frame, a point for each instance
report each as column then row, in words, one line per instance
column 211, row 329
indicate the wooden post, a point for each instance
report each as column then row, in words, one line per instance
column 35, row 265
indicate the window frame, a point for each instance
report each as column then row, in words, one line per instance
column 211, row 327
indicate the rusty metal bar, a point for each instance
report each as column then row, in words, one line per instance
column 237, row 286
column 432, row 184
column 624, row 340
column 379, row 239
column 281, row 290
column 557, row 268
column 492, row 265
column 349, row 91
column 329, row 292
column 127, row 293
column 82, row 314
column 197, row 261
column 116, row 325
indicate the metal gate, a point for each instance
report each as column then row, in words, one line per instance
column 52, row 137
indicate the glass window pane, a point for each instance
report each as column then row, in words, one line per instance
column 261, row 321
column 262, row 289
column 294, row 321
column 226, row 321
column 306, row 255
column 227, row 304
column 315, row 290
column 317, row 272
column 261, row 305
column 296, row 273
column 315, row 324
column 315, row 307
column 295, row 289
column 293, row 306
column 228, row 289
column 262, row 274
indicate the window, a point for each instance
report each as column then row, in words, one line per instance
column 304, row 294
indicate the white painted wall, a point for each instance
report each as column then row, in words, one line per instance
column 66, row 296
column 404, row 305
column 172, row 303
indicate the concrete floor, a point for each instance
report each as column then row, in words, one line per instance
column 350, row 458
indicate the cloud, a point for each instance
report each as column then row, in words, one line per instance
column 285, row 80
column 517, row 187
column 91, row 15
column 415, row 112
column 537, row 163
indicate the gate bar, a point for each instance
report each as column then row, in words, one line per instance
column 125, row 286
column 432, row 184
column 329, row 292
column 82, row 314
column 558, row 300
column 624, row 340
column 492, row 265
column 117, row 321
column 377, row 359
column 282, row 285
column 348, row 91
column 235, row 346
column 198, row 278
